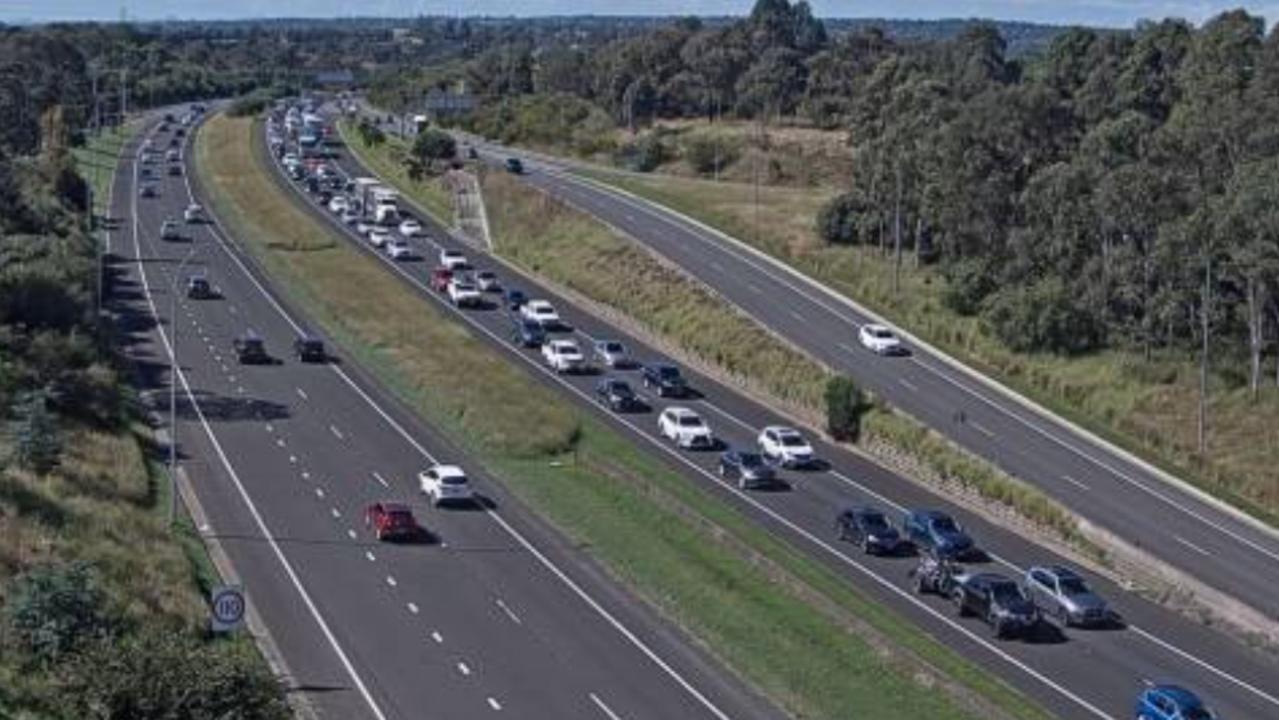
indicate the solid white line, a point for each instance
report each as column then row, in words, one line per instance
column 1076, row 483
column 604, row 708
column 1191, row 545
column 981, row 428
column 462, row 668
column 494, row 704
column 907, row 384
column 509, row 613
column 336, row 433
column 1210, row 668
column 266, row 532
column 381, row 479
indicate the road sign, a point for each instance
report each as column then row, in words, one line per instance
column 227, row 605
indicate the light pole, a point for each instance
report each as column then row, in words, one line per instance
column 173, row 385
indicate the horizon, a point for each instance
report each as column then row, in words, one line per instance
column 1097, row 13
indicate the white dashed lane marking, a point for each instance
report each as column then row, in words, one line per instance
column 319, row 493
column 335, row 512
column 369, row 554
column 381, row 479
column 336, row 433
column 390, row 580
column 350, row 534
column 302, row 394
column 1076, row 483
column 437, row 637
column 412, row 608
column 495, row 704
column 604, row 708
column 462, row 668
column 509, row 613
column 907, row 384
column 1191, row 545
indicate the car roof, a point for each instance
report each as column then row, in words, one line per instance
column 448, row 470
column 1183, row 697
column 929, row 514
column 781, row 430
column 876, row 326
column 395, row 507
column 679, row 410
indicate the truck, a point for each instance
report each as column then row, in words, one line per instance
column 362, row 192
column 385, row 206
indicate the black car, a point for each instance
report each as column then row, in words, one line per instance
column 868, row 527
column 175, row 170
column 527, row 333
column 168, row 117
column 309, row 349
column 250, row 350
column 514, row 166
column 999, row 601
column 617, row 395
column 748, row 467
column 666, row 379
column 515, row 299
column 936, row 532
column 174, row 142
column 179, row 132
column 198, row 288
column 148, row 191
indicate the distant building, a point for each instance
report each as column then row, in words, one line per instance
column 439, row 103
column 335, row 78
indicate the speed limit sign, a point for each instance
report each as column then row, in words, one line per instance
column 227, row 605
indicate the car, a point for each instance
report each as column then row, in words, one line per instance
column 309, row 349
column 250, row 350
column 378, row 237
column 880, row 340
column 149, row 158
column 487, row 280
column 685, row 428
column 786, row 447
column 463, row 293
column 363, row 226
column 175, row 141
column 179, row 132
column 323, row 197
column 612, row 354
column 514, row 166
column 748, row 467
column 349, row 217
column 391, row 521
column 542, row 313
column 1061, row 592
column 173, row 156
column 398, row 249
column 527, row 333
column 938, row 533
column 175, row 171
column 868, row 528
column 445, row 484
column 617, row 395
column 452, row 259
column 146, row 173
column 169, row 230
column 998, row 600
column 514, row 299
column 199, row 288
column 563, row 356
column 193, row 214
column 410, row 228
column 148, row 191
column 339, row 204
column 441, row 278
column 1171, row 702
column 665, row 379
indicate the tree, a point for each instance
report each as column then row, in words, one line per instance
column 845, row 405
column 842, row 220
column 370, row 134
column 431, row 146
column 36, row 434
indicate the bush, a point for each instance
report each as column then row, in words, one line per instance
column 642, row 155
column 845, row 405
column 709, row 154
column 1044, row 317
column 968, row 283
column 252, row 104
column 37, row 436
column 54, row 609
column 840, row 219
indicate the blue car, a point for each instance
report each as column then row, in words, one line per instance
column 515, row 299
column 1171, row 702
column 527, row 333
column 936, row 532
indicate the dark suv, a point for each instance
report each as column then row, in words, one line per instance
column 938, row 533
column 250, row 350
column 666, row 379
column 527, row 333
column 617, row 395
column 868, row 528
column 309, row 349
column 198, row 288
column 999, row 601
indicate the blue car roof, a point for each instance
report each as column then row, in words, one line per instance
column 1184, row 698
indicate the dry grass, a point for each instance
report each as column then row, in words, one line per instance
column 1150, row 408
column 605, row 494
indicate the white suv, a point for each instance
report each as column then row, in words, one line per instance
column 452, row 259
column 785, row 446
column 444, row 484
column 685, row 428
column 880, row 340
column 563, row 356
column 541, row 312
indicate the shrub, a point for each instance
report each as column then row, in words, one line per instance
column 709, row 154
column 54, row 609
column 36, row 434
column 642, row 155
column 969, row 283
column 1044, row 317
column 839, row 221
column 845, row 405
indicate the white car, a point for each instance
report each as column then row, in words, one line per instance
column 350, row 217
column 398, row 249
column 410, row 228
column 541, row 312
column 685, row 428
column 463, row 293
column 563, row 356
column 290, row 159
column 613, row 354
column 379, row 237
column 880, row 340
column 363, row 226
column 487, row 281
column 452, row 259
column 193, row 214
column 339, row 204
column 445, row 484
column 785, row 446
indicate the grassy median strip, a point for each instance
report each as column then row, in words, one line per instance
column 799, row 633
column 386, row 160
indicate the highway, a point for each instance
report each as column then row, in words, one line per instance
column 1079, row 673
column 1218, row 546
column 498, row 615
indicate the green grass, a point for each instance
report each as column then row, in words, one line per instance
column 97, row 158
column 387, row 162
column 1146, row 407
column 844, row 656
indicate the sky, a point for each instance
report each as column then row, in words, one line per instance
column 1110, row 13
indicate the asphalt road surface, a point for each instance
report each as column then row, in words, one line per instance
column 1076, row 673
column 497, row 615
column 1233, row 554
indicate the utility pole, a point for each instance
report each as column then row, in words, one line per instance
column 1203, row 360
column 124, row 93
column 897, row 230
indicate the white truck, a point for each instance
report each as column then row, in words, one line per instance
column 386, row 209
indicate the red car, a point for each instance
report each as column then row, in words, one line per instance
column 391, row 521
column 440, row 278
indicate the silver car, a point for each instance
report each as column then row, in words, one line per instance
column 1061, row 593
column 612, row 354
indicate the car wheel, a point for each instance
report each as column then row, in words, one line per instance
column 866, row 547
column 1063, row 616
column 921, row 585
column 722, row 472
column 377, row 533
column 958, row 599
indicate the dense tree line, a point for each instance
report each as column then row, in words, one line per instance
column 1112, row 189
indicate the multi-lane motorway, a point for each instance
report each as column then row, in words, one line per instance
column 497, row 616
column 1078, row 673
column 1110, row 488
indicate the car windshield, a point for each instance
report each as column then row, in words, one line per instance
column 792, row 440
column 453, row 480
column 612, row 347
column 252, row 344
column 399, row 517
column 690, row 421
column 621, row 389
column 945, row 524
column 668, row 372
column 874, row 521
column 752, row 460
column 1073, row 586
column 1005, row 591
column 464, row 287
column 1197, row 713
column 882, row 334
